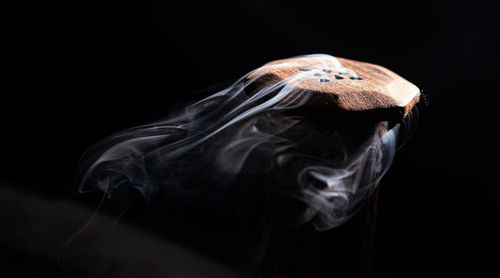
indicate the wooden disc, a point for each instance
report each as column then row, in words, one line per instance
column 341, row 85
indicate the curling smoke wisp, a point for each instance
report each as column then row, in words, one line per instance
column 243, row 131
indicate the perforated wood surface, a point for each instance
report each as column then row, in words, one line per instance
column 341, row 84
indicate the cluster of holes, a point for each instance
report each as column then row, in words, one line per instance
column 336, row 76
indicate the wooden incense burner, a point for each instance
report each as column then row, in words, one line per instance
column 342, row 85
column 332, row 86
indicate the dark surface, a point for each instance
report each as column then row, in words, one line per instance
column 77, row 73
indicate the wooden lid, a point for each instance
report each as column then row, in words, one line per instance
column 341, row 85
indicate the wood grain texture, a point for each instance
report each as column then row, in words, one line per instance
column 341, row 85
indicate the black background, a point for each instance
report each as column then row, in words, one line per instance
column 79, row 72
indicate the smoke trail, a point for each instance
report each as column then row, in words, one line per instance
column 334, row 194
column 245, row 131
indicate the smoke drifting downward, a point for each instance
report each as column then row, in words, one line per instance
column 242, row 131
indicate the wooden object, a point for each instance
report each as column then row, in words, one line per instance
column 341, row 85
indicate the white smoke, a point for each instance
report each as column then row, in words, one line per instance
column 241, row 132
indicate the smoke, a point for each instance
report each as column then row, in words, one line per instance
column 333, row 193
column 243, row 131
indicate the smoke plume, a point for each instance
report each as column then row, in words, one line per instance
column 242, row 131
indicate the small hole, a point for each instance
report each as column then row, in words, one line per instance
column 318, row 74
column 324, row 80
column 343, row 72
column 304, row 69
column 356, row 78
column 338, row 77
column 327, row 70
